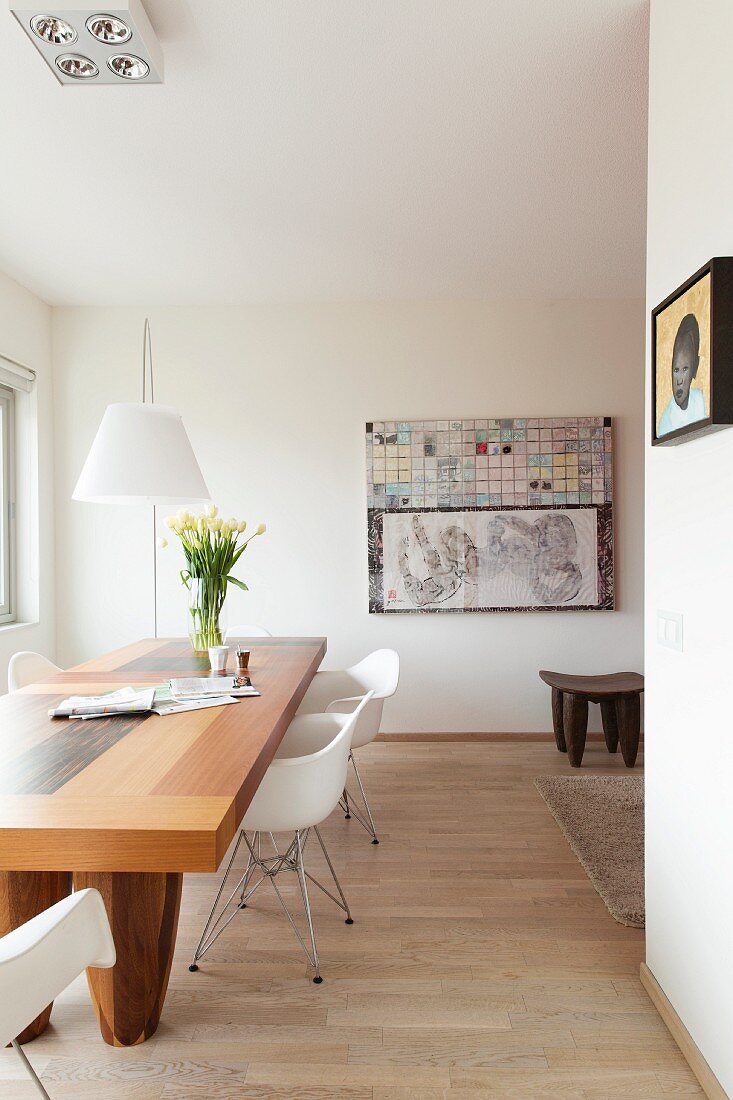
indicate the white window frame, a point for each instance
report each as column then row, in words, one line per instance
column 16, row 397
column 8, row 610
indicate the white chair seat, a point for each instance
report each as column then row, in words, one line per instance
column 341, row 691
column 42, row 957
column 29, row 668
column 304, row 782
column 299, row 790
column 308, row 734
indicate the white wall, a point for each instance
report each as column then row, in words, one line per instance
column 689, row 566
column 25, row 336
column 275, row 400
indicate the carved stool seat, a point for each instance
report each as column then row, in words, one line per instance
column 619, row 696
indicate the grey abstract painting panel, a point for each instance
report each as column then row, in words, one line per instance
column 488, row 560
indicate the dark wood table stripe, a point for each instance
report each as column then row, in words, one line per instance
column 45, row 768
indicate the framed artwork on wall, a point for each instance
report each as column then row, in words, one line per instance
column 490, row 515
column 692, row 356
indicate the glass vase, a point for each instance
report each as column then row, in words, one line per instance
column 206, row 620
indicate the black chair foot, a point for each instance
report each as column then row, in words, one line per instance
column 347, row 817
column 349, row 920
column 318, row 979
column 375, row 841
column 193, row 968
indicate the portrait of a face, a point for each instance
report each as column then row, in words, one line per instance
column 683, row 360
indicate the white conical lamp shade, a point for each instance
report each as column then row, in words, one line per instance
column 141, row 454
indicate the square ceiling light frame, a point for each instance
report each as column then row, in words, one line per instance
column 141, row 42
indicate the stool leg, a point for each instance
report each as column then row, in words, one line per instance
column 575, row 724
column 628, row 716
column 610, row 724
column 557, row 723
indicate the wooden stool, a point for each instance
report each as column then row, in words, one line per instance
column 618, row 693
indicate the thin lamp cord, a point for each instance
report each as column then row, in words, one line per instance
column 148, row 358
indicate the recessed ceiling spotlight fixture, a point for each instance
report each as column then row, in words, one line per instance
column 76, row 66
column 109, row 29
column 128, row 66
column 56, row 31
column 103, row 36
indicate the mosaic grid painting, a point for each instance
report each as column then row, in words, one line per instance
column 490, row 515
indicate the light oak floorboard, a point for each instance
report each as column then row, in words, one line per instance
column 482, row 964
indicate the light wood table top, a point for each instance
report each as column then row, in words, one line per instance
column 141, row 793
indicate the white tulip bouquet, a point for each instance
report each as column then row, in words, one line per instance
column 212, row 547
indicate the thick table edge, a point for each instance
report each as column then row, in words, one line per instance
column 97, row 850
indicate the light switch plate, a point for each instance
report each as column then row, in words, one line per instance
column 669, row 629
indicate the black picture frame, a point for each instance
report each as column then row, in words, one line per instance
column 720, row 413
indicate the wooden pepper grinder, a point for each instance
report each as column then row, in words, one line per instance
column 242, row 663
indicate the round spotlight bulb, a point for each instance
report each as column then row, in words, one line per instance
column 81, row 68
column 128, row 66
column 109, row 29
column 56, row 31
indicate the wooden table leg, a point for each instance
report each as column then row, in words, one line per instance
column 628, row 716
column 25, row 894
column 557, row 722
column 143, row 912
column 610, row 724
column 575, row 725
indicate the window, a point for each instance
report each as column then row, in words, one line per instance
column 18, row 447
column 7, row 504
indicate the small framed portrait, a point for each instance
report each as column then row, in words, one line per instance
column 692, row 356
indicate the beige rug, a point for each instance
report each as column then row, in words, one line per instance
column 602, row 817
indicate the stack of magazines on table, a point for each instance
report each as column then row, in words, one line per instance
column 189, row 693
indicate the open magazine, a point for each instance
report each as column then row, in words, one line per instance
column 128, row 700
column 167, row 703
column 204, row 687
column 124, row 701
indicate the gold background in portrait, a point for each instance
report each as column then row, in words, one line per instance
column 695, row 300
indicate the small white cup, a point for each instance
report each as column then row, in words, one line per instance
column 218, row 657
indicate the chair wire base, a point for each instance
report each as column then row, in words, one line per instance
column 33, row 1075
column 352, row 808
column 269, row 867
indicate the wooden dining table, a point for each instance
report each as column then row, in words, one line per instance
column 128, row 804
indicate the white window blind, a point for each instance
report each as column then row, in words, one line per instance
column 16, row 380
column 15, row 375
column 7, row 505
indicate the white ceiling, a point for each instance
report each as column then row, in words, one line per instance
column 336, row 149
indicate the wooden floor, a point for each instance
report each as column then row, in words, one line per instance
column 482, row 964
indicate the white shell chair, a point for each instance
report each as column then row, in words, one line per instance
column 28, row 668
column 340, row 691
column 247, row 630
column 300, row 789
column 43, row 956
